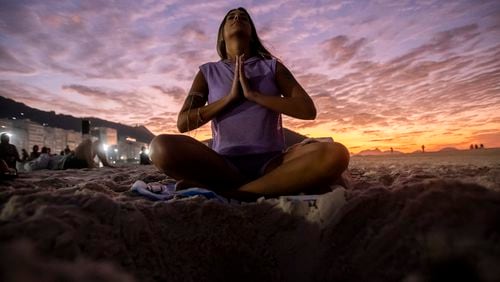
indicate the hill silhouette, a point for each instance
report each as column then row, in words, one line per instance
column 10, row 108
column 378, row 152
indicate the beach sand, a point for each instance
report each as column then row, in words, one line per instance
column 402, row 218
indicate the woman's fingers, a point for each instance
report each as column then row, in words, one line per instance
column 237, row 68
column 238, row 65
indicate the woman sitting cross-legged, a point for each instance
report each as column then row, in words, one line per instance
column 244, row 95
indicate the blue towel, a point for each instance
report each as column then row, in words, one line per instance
column 167, row 192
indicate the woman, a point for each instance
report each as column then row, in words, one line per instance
column 247, row 91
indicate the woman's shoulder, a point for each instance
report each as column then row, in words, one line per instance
column 213, row 63
column 211, row 66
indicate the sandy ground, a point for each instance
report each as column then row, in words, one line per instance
column 422, row 217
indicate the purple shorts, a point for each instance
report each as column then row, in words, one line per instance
column 251, row 166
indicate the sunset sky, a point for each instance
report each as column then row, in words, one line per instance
column 381, row 73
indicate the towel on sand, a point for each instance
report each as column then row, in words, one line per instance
column 162, row 192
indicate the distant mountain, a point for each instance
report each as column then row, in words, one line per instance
column 392, row 153
column 449, row 149
column 377, row 152
column 10, row 108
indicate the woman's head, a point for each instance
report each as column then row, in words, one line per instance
column 256, row 46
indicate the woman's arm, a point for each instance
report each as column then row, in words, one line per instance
column 295, row 101
column 194, row 113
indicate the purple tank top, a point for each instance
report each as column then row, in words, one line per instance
column 247, row 128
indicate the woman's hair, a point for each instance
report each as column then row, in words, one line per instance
column 256, row 45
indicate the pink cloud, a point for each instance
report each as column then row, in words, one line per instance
column 341, row 49
column 8, row 63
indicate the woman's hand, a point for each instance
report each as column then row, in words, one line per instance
column 245, row 85
column 235, row 93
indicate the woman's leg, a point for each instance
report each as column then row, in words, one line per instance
column 84, row 151
column 302, row 168
column 186, row 159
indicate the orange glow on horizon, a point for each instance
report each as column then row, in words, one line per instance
column 356, row 140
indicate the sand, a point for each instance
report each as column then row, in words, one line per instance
column 403, row 218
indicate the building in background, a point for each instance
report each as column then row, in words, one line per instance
column 127, row 150
column 26, row 133
column 106, row 135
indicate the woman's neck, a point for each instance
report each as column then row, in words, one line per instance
column 237, row 47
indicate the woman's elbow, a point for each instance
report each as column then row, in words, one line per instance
column 181, row 126
column 311, row 113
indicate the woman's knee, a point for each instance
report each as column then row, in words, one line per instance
column 334, row 157
column 164, row 149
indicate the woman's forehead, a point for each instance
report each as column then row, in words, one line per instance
column 236, row 11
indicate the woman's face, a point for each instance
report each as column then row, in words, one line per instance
column 237, row 22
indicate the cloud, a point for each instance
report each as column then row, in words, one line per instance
column 177, row 93
column 9, row 63
column 192, row 31
column 442, row 42
column 340, row 49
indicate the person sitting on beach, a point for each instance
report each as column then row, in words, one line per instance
column 24, row 155
column 8, row 156
column 82, row 157
column 247, row 92
column 34, row 153
column 144, row 157
column 66, row 150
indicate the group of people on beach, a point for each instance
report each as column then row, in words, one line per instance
column 244, row 96
column 82, row 157
column 475, row 146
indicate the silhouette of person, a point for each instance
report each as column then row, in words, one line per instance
column 475, row 146
column 24, row 155
column 8, row 156
column 392, row 150
column 471, row 147
column 67, row 150
column 423, row 149
column 144, row 157
column 481, row 146
column 35, row 152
